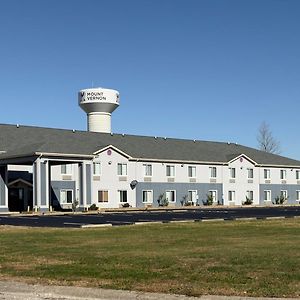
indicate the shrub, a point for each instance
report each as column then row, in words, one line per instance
column 126, row 204
column 248, row 201
column 93, row 207
column 209, row 200
column 280, row 199
column 162, row 201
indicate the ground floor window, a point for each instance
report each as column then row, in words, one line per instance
column 192, row 196
column 249, row 195
column 123, row 196
column 147, row 196
column 298, row 195
column 170, row 196
column 231, row 195
column 66, row 196
column 213, row 194
column 103, row 196
column 267, row 195
column 284, row 194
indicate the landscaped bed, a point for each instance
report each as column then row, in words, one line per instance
column 253, row 258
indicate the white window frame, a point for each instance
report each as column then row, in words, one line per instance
column 68, row 169
column 149, row 196
column 297, row 195
column 213, row 172
column 120, row 192
column 97, row 171
column 269, row 195
column 193, row 194
column 174, row 193
column 250, row 173
column 102, row 196
column 122, row 169
column 267, row 173
column 250, row 195
column 297, row 174
column 231, row 196
column 66, row 195
column 283, row 174
column 169, row 172
column 192, row 171
column 147, row 168
column 214, row 194
column 232, row 173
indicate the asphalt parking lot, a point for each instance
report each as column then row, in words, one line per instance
column 140, row 217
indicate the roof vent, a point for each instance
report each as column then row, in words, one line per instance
column 18, row 125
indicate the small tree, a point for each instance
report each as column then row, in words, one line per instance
column 248, row 201
column 266, row 141
column 184, row 200
column 209, row 199
column 162, row 200
column 280, row 199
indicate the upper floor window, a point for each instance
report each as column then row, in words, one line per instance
column 192, row 171
column 170, row 171
column 122, row 169
column 66, row 169
column 250, row 173
column 232, row 172
column 297, row 174
column 282, row 174
column 147, row 169
column 267, row 174
column 213, row 172
column 96, row 168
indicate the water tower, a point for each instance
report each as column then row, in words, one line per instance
column 98, row 103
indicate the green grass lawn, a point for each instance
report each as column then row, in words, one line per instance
column 253, row 258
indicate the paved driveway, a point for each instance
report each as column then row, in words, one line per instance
column 127, row 218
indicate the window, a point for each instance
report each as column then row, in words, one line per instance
column 66, row 169
column 213, row 172
column 284, row 194
column 282, row 174
column 191, row 171
column 123, row 196
column 192, row 196
column 267, row 195
column 250, row 173
column 170, row 171
column 66, row 196
column 122, row 169
column 170, row 196
column 213, row 194
column 103, row 196
column 249, row 195
column 232, row 172
column 147, row 196
column 298, row 195
column 297, row 174
column 96, row 168
column 148, row 170
column 266, row 173
column 231, row 195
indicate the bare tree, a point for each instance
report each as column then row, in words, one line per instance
column 266, row 141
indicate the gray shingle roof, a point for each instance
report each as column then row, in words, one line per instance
column 27, row 140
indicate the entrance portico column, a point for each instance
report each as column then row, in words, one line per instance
column 3, row 189
column 41, row 185
column 85, row 184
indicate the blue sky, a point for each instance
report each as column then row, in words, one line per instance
column 198, row 69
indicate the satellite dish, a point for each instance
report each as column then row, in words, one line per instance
column 133, row 184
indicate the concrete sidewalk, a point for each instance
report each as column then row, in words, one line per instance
column 21, row 291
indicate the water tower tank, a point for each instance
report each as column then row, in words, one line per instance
column 98, row 103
